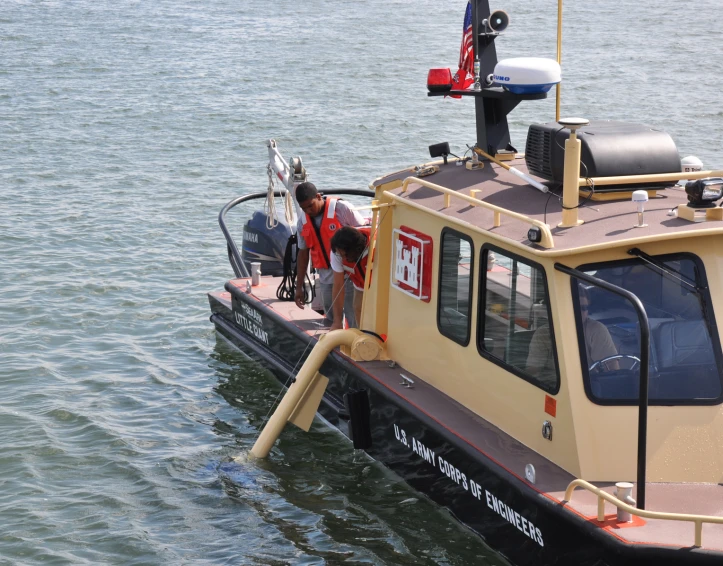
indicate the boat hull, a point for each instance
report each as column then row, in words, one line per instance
column 524, row 525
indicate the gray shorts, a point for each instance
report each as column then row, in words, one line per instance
column 325, row 290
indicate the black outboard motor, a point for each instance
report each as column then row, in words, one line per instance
column 265, row 245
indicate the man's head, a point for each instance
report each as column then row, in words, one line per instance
column 349, row 243
column 309, row 199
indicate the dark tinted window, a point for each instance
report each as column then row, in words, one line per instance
column 684, row 351
column 516, row 328
column 455, row 298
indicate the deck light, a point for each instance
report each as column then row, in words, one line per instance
column 704, row 192
column 439, row 80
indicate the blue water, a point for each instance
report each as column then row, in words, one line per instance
column 125, row 127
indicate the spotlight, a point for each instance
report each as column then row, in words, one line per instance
column 534, row 234
column 439, row 149
column 704, row 192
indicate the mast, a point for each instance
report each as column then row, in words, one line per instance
column 492, row 104
column 493, row 133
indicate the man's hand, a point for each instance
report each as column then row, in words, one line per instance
column 299, row 297
column 336, row 325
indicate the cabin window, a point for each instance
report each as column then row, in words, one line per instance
column 685, row 357
column 455, row 290
column 516, row 327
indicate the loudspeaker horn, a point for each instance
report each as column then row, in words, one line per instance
column 497, row 21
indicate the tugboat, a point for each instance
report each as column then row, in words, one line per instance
column 538, row 349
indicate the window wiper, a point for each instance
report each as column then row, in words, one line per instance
column 665, row 270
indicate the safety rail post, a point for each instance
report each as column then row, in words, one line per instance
column 650, row 178
column 644, row 369
column 545, row 242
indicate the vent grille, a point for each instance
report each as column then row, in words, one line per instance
column 537, row 152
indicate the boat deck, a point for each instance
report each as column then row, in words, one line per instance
column 605, row 222
column 551, row 481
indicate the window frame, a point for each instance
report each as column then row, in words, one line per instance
column 468, row 239
column 707, row 306
column 482, row 302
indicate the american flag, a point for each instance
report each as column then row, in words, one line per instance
column 465, row 74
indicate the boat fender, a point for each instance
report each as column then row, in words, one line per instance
column 357, row 406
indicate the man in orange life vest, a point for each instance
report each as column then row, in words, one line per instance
column 350, row 247
column 323, row 216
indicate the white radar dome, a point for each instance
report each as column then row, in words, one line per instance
column 691, row 164
column 527, row 75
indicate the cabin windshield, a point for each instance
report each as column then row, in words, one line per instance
column 685, row 356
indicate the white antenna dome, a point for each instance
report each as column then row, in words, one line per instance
column 527, row 75
column 691, row 164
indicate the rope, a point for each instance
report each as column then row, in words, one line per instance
column 289, row 210
column 287, row 288
column 270, row 204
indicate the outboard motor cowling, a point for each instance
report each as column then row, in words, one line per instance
column 265, row 245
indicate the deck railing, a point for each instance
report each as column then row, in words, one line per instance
column 652, row 178
column 449, row 194
column 603, row 496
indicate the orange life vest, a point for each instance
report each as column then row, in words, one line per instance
column 357, row 270
column 318, row 240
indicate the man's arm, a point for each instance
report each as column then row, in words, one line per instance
column 348, row 215
column 539, row 352
column 337, row 297
column 302, row 264
column 602, row 345
column 610, row 349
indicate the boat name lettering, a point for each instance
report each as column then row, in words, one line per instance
column 514, row 518
column 252, row 313
column 461, row 479
column 251, row 326
column 251, row 237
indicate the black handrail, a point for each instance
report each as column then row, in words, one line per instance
column 234, row 257
column 644, row 370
